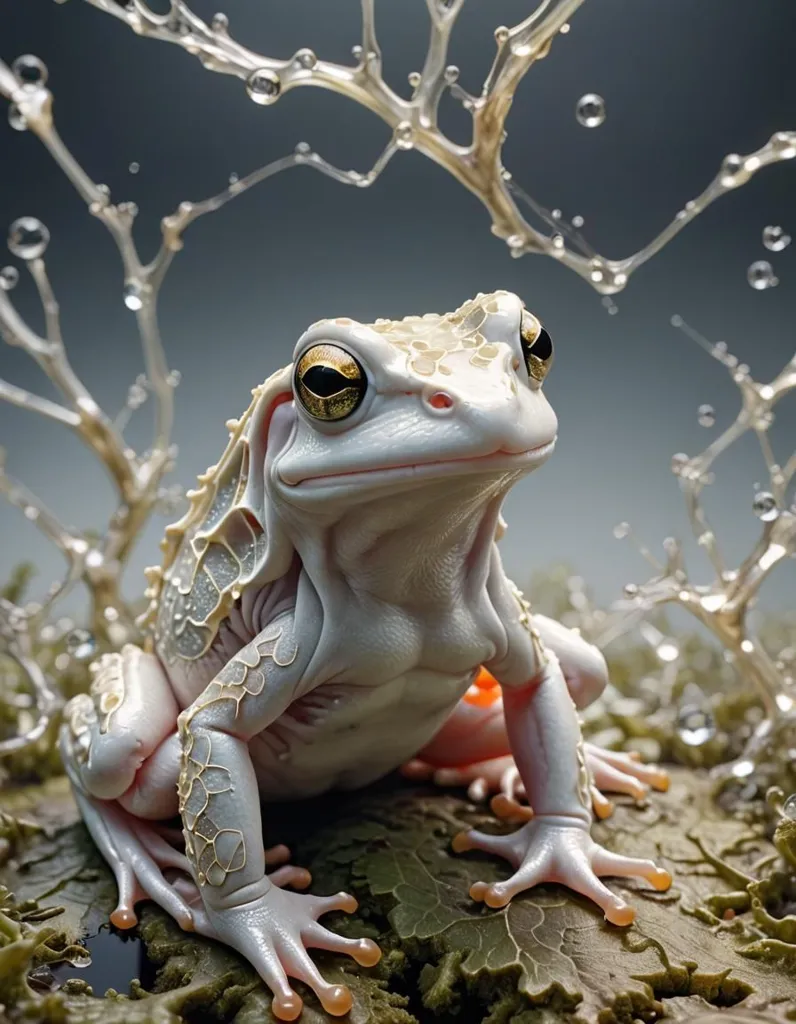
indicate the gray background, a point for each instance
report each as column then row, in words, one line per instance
column 685, row 82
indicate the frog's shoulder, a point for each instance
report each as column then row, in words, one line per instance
column 220, row 545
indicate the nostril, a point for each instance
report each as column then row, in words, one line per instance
column 440, row 400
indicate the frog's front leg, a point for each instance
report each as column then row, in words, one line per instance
column 555, row 845
column 220, row 809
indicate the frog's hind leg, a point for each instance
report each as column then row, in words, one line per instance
column 472, row 749
column 121, row 752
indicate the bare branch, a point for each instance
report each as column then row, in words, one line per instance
column 25, row 400
column 15, row 643
column 414, row 122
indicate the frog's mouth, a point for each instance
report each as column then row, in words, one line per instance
column 501, row 461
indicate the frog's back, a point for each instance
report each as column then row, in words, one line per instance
column 219, row 549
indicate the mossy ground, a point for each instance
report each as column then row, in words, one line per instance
column 721, row 941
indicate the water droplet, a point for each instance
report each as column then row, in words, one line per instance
column 31, row 71
column 789, row 807
column 577, row 221
column 501, row 34
column 765, row 506
column 775, row 238
column 134, row 167
column 556, row 214
column 621, row 530
column 610, row 305
column 303, row 149
column 706, row 415
column 8, row 278
column 760, row 275
column 132, row 296
column 16, row 118
column 220, row 22
column 306, row 59
column 81, row 644
column 414, row 78
column 263, row 86
column 404, row 135
column 28, row 238
column 451, row 74
column 742, row 769
column 565, row 28
column 173, row 378
column 730, row 167
column 631, row 590
column 356, row 52
column 695, row 725
column 233, row 178
column 679, row 462
column 590, row 110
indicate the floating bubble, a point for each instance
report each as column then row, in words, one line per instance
column 30, row 70
column 8, row 278
column 263, row 86
column 775, row 238
column 81, row 644
column 132, row 296
column 590, row 110
column 134, row 167
column 695, row 725
column 28, row 238
column 760, row 275
column 764, row 506
column 706, row 415
column 578, row 221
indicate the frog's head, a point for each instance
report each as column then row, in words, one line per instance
column 390, row 404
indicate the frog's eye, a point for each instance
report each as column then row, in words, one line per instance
column 537, row 347
column 330, row 383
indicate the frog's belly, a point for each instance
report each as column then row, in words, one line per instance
column 348, row 742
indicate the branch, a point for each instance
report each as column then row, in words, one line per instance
column 414, row 122
column 15, row 644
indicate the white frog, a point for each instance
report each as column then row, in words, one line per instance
column 323, row 614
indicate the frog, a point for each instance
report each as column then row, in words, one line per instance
column 332, row 608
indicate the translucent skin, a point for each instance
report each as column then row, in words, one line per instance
column 369, row 600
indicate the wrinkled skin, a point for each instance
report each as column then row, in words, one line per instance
column 333, row 607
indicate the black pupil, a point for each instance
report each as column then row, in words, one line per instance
column 325, row 381
column 542, row 347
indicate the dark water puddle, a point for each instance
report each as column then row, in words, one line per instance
column 116, row 958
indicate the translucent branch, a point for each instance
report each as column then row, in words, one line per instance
column 413, row 122
column 15, row 643
column 723, row 605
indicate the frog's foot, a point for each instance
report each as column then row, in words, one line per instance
column 622, row 773
column 274, row 928
column 559, row 849
column 614, row 772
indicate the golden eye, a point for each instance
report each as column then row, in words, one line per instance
column 537, row 347
column 329, row 382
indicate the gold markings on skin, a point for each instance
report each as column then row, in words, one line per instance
column 107, row 685
column 584, row 783
column 80, row 716
column 429, row 340
column 526, row 620
column 216, row 851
